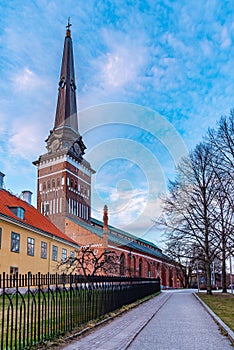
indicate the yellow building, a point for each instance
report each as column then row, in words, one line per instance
column 29, row 242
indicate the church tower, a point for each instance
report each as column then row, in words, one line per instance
column 64, row 176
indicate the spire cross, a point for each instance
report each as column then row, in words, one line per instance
column 68, row 32
column 68, row 23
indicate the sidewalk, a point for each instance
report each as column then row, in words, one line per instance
column 118, row 333
column 171, row 321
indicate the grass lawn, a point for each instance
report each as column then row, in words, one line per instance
column 222, row 305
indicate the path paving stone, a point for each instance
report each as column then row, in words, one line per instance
column 171, row 321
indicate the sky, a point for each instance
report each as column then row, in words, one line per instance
column 152, row 76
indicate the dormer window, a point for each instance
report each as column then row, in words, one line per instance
column 18, row 211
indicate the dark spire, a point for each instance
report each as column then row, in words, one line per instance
column 66, row 112
column 65, row 134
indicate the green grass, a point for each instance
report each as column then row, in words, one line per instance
column 26, row 320
column 222, row 305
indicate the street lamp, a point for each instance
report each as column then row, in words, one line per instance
column 231, row 274
column 198, row 287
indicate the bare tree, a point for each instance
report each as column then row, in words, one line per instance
column 87, row 261
column 198, row 211
column 181, row 259
column 189, row 209
column 222, row 144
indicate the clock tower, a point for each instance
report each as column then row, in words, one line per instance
column 64, row 176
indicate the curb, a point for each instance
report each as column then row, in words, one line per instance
column 221, row 324
column 71, row 337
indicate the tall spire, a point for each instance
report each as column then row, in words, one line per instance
column 66, row 112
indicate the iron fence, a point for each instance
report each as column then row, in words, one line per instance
column 36, row 308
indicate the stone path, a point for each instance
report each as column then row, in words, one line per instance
column 171, row 321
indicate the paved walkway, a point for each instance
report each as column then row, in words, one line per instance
column 170, row 321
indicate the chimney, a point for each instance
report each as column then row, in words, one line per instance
column 1, row 180
column 27, row 196
column 105, row 227
column 105, row 218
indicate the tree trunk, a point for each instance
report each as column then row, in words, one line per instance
column 224, row 277
column 208, row 278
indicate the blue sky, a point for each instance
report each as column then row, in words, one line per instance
column 152, row 76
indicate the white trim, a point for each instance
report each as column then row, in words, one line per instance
column 64, row 170
column 54, row 173
column 38, row 231
column 138, row 254
column 70, row 172
column 57, row 160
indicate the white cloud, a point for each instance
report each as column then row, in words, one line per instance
column 27, row 80
column 25, row 140
column 225, row 38
column 120, row 68
column 122, row 64
column 3, row 122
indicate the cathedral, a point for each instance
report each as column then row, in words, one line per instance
column 64, row 193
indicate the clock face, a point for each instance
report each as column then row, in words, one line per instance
column 55, row 145
column 77, row 149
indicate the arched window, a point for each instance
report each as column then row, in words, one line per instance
column 48, row 184
column 129, row 264
column 53, row 183
column 149, row 269
column 58, row 182
column 134, row 265
column 158, row 270
column 44, row 186
column 121, row 264
column 72, row 183
column 140, row 267
column 171, row 278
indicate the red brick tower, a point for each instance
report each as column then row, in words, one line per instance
column 64, row 176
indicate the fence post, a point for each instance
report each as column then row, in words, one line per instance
column 3, row 308
column 39, row 307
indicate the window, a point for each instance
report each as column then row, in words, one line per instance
column 43, row 250
column 48, row 184
column 44, row 186
column 121, row 265
column 18, row 211
column 15, row 242
column 30, row 246
column 53, row 183
column 14, row 270
column 0, row 237
column 75, row 208
column 54, row 253
column 58, row 182
column 64, row 254
column 72, row 258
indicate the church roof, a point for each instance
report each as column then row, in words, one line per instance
column 31, row 217
column 126, row 234
column 122, row 238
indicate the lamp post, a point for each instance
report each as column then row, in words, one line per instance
column 231, row 273
column 198, row 287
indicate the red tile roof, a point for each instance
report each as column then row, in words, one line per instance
column 32, row 217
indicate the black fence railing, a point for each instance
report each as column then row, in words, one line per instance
column 36, row 308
